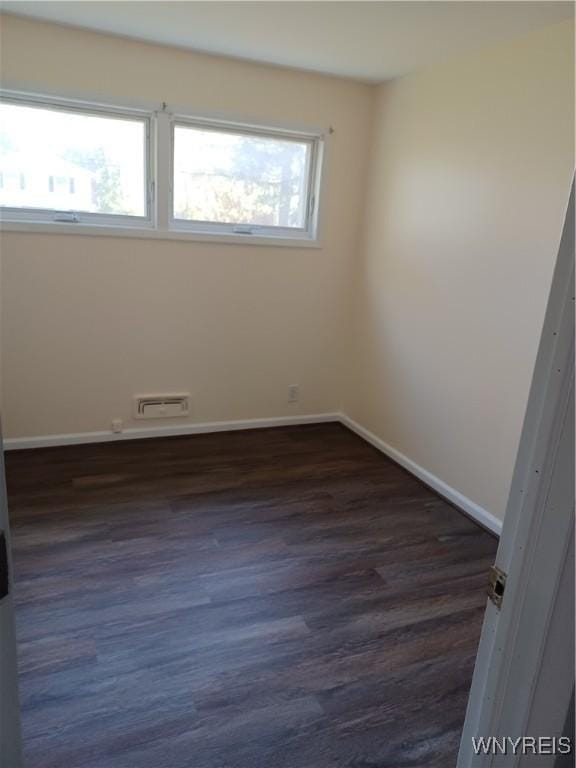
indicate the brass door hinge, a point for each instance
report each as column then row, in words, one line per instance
column 496, row 585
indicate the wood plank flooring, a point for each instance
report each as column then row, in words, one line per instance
column 281, row 598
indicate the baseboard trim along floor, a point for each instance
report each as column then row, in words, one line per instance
column 138, row 433
column 480, row 515
column 463, row 503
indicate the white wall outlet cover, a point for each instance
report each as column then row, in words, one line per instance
column 293, row 393
column 117, row 425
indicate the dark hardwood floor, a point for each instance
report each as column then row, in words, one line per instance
column 282, row 598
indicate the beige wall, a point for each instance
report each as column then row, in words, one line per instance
column 88, row 321
column 420, row 315
column 471, row 169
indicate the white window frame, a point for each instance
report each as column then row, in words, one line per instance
column 45, row 216
column 159, row 222
column 314, row 142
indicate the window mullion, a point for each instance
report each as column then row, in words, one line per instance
column 163, row 164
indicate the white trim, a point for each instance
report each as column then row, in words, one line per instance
column 75, row 103
column 308, row 232
column 140, row 106
column 479, row 514
column 49, row 216
column 249, row 123
column 158, row 223
column 482, row 516
column 135, row 433
column 539, row 518
column 59, row 228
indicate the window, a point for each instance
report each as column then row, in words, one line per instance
column 69, row 165
column 231, row 180
column 72, row 161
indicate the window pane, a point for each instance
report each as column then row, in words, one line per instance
column 71, row 161
column 226, row 177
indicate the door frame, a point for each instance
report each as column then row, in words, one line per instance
column 535, row 538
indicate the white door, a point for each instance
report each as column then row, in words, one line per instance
column 534, row 554
column 10, row 748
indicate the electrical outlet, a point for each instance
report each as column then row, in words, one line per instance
column 293, row 393
column 117, row 425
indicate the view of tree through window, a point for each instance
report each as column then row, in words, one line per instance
column 227, row 177
column 71, row 161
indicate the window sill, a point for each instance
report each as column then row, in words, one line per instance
column 149, row 233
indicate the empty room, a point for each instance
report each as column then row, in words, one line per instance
column 286, row 384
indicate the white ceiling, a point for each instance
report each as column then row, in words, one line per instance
column 370, row 41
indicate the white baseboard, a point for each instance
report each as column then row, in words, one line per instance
column 135, row 433
column 475, row 511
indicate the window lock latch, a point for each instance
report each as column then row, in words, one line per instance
column 67, row 216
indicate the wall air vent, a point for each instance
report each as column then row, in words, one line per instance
column 162, row 406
